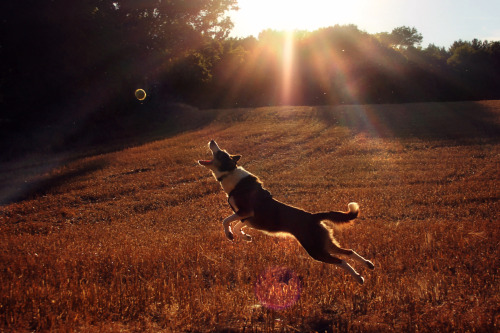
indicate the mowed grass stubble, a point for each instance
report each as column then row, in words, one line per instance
column 137, row 242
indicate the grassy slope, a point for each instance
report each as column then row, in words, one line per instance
column 132, row 240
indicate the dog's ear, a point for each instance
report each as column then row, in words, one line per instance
column 235, row 158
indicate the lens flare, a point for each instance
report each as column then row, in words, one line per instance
column 140, row 94
column 278, row 288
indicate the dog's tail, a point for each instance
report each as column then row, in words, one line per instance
column 339, row 217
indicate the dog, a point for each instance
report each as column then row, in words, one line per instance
column 255, row 207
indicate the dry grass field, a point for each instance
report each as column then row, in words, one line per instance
column 132, row 241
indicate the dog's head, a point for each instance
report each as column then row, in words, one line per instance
column 221, row 161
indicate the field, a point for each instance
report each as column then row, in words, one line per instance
column 132, row 240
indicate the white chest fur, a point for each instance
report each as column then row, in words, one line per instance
column 232, row 178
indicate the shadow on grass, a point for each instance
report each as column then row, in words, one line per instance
column 16, row 186
column 99, row 132
column 457, row 122
column 108, row 134
column 27, row 171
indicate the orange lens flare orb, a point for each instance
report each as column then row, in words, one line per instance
column 140, row 94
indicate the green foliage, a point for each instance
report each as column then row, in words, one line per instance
column 435, row 52
column 404, row 37
column 401, row 37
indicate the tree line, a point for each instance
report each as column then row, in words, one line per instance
column 81, row 62
column 333, row 65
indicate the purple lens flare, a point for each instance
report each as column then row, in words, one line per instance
column 278, row 288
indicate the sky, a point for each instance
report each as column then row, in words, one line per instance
column 441, row 22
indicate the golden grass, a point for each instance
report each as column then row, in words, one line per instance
column 133, row 241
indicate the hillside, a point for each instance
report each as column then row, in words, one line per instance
column 132, row 240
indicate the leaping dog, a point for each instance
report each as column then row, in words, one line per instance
column 255, row 207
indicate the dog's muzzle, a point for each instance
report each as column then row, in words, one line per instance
column 213, row 146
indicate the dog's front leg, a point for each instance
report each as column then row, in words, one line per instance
column 237, row 230
column 227, row 222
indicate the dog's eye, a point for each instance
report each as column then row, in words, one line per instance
column 226, row 162
column 222, row 155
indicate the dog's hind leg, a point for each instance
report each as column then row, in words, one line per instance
column 351, row 271
column 351, row 254
column 324, row 256
column 316, row 245
column 328, row 258
column 362, row 260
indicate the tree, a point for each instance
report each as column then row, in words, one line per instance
column 95, row 50
column 385, row 38
column 404, row 37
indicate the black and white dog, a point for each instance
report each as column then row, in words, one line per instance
column 255, row 207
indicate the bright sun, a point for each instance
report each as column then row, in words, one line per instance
column 290, row 15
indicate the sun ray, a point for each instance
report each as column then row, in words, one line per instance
column 288, row 67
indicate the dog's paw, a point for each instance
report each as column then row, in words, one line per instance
column 360, row 279
column 247, row 238
column 229, row 235
column 370, row 265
